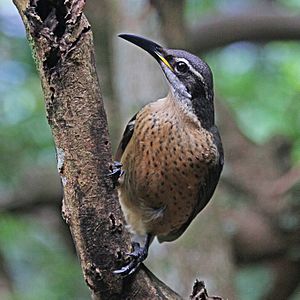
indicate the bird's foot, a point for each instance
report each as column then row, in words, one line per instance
column 115, row 172
column 138, row 255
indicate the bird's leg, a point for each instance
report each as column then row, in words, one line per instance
column 115, row 172
column 138, row 255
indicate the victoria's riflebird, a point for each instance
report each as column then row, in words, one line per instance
column 170, row 157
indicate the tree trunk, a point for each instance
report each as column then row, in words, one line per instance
column 62, row 44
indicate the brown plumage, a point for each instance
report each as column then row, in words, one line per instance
column 165, row 162
column 171, row 153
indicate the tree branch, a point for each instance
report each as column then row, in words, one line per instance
column 200, row 293
column 62, row 44
column 173, row 29
column 259, row 24
column 262, row 23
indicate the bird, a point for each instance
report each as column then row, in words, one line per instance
column 170, row 157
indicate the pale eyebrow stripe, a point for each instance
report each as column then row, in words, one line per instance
column 191, row 68
column 194, row 71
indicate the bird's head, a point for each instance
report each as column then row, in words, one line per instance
column 189, row 77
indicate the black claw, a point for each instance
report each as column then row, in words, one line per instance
column 128, row 269
column 138, row 255
column 116, row 172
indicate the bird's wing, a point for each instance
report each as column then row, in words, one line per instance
column 128, row 132
column 206, row 190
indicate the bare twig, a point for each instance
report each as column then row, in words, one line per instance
column 200, row 293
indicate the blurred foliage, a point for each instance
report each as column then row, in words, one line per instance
column 252, row 282
column 24, row 133
column 39, row 262
column 260, row 83
column 195, row 9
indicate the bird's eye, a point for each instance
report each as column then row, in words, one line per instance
column 181, row 67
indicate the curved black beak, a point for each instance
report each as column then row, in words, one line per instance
column 152, row 48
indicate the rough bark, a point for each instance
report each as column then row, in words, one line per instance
column 62, row 44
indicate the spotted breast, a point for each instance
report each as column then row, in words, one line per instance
column 166, row 164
